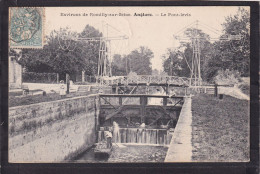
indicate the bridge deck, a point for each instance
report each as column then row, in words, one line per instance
column 150, row 84
column 140, row 95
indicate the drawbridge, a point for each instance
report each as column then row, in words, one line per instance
column 120, row 84
column 131, row 84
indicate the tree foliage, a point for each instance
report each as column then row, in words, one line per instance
column 138, row 61
column 179, row 62
column 64, row 55
column 233, row 55
column 120, row 65
column 236, row 54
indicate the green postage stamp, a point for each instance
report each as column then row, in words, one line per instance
column 26, row 28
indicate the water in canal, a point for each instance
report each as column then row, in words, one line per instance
column 132, row 145
column 127, row 153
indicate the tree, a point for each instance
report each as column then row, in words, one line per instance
column 91, row 49
column 140, row 61
column 236, row 54
column 231, row 55
column 172, row 63
column 119, row 65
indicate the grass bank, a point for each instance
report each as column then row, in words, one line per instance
column 220, row 128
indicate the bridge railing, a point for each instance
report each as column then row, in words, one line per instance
column 139, row 99
column 143, row 79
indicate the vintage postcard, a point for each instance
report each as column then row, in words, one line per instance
column 129, row 84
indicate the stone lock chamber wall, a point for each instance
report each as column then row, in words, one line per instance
column 52, row 131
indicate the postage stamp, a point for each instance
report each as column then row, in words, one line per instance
column 26, row 28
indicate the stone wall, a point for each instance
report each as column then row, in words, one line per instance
column 52, row 131
column 180, row 148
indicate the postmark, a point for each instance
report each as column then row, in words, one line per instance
column 26, row 27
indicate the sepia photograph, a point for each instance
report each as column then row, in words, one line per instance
column 150, row 84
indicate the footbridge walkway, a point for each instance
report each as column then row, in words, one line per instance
column 144, row 80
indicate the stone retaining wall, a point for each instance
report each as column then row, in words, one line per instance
column 52, row 131
column 180, row 148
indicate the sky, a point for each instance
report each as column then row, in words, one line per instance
column 155, row 32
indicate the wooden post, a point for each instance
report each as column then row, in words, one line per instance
column 49, row 78
column 167, row 90
column 216, row 90
column 128, row 121
column 111, row 121
column 143, row 102
column 58, row 78
column 164, row 101
column 83, row 76
column 68, row 83
column 142, row 120
column 113, row 89
column 120, row 101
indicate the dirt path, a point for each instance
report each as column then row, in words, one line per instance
column 234, row 92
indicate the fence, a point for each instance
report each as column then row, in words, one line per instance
column 33, row 77
column 144, row 79
column 90, row 79
column 87, row 79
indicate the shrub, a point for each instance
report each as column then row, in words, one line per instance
column 227, row 77
column 245, row 88
column 132, row 74
column 49, row 120
column 27, row 126
column 33, row 77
